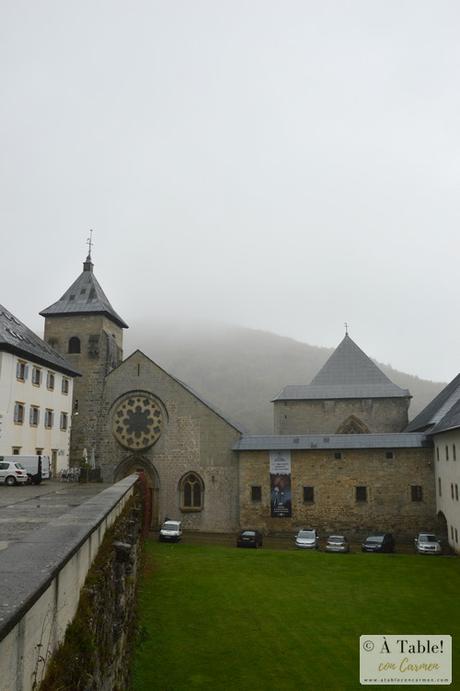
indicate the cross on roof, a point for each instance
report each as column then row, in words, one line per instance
column 90, row 243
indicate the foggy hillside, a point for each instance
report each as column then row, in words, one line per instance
column 241, row 370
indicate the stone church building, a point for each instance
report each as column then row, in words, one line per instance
column 339, row 459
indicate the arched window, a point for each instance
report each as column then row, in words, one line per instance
column 74, row 345
column 353, row 425
column 191, row 492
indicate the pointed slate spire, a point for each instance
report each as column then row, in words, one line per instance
column 85, row 296
column 349, row 365
column 348, row 373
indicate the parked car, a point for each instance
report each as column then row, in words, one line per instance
column 249, row 538
column 12, row 473
column 170, row 531
column 307, row 539
column 337, row 543
column 382, row 542
column 36, row 467
column 427, row 543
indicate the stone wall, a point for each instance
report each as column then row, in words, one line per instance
column 42, row 577
column 101, row 350
column 194, row 438
column 388, row 508
column 326, row 417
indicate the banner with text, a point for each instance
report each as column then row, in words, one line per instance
column 280, row 484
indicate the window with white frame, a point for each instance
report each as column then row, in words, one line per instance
column 21, row 370
column 36, row 376
column 50, row 381
column 19, row 409
column 49, row 418
column 65, row 386
column 34, row 416
column 64, row 421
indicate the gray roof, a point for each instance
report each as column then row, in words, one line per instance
column 437, row 409
column 450, row 421
column 85, row 296
column 332, row 441
column 348, row 373
column 16, row 338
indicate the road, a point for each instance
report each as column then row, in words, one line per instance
column 25, row 508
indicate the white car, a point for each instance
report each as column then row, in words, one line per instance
column 427, row 543
column 170, row 531
column 12, row 473
column 307, row 539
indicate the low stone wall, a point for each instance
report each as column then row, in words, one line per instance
column 42, row 578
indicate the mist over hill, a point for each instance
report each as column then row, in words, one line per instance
column 240, row 370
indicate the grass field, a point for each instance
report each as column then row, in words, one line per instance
column 221, row 618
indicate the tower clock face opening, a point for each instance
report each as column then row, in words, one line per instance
column 137, row 422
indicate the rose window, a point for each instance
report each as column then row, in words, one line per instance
column 138, row 422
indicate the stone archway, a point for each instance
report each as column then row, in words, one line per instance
column 134, row 463
column 353, row 425
column 441, row 526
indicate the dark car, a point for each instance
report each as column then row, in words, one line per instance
column 382, row 542
column 249, row 538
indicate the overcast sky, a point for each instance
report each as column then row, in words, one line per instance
column 278, row 165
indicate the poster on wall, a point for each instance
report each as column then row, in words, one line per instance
column 280, row 484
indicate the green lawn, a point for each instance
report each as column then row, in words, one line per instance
column 225, row 618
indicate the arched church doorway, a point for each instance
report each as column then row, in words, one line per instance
column 133, row 464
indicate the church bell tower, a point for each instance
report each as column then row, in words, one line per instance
column 83, row 326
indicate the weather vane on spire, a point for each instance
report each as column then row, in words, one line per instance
column 90, row 243
column 346, row 328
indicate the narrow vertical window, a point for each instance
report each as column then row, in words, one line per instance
column 256, row 493
column 19, row 413
column 361, row 493
column 416, row 493
column 74, row 345
column 191, row 492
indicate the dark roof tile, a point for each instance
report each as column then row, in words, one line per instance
column 15, row 337
column 85, row 296
column 348, row 373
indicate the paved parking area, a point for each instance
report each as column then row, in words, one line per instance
column 25, row 508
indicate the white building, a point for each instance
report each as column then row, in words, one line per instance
column 441, row 420
column 36, row 387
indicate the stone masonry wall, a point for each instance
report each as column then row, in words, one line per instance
column 334, row 509
column 325, row 417
column 101, row 351
column 194, row 439
column 96, row 652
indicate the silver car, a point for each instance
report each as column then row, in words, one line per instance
column 427, row 543
column 337, row 543
column 307, row 539
column 12, row 473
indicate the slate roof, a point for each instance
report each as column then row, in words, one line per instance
column 437, row 409
column 442, row 413
column 348, row 373
column 450, row 421
column 16, row 338
column 85, row 296
column 332, row 441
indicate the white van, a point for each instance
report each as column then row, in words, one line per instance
column 36, row 467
